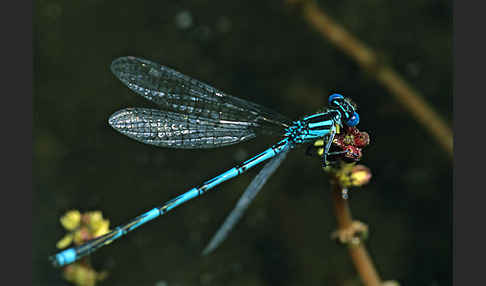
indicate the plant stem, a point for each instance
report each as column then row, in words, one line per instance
column 359, row 255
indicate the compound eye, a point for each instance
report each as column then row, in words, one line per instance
column 353, row 121
column 335, row 96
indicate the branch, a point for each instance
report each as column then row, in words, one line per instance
column 358, row 253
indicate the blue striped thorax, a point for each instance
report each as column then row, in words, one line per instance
column 312, row 127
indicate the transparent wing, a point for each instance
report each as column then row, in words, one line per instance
column 179, row 93
column 244, row 201
column 175, row 130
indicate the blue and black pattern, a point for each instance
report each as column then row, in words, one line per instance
column 194, row 115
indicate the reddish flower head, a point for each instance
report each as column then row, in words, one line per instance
column 352, row 141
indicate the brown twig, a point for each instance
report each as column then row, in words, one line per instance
column 367, row 59
column 358, row 252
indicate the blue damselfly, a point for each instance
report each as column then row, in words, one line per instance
column 194, row 115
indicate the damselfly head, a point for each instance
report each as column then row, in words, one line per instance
column 346, row 107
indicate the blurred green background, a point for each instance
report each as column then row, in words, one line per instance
column 264, row 52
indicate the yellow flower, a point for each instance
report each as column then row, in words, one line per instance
column 94, row 217
column 82, row 227
column 360, row 175
column 351, row 175
column 83, row 275
column 103, row 227
column 71, row 220
column 65, row 241
column 97, row 224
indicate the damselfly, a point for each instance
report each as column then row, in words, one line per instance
column 194, row 115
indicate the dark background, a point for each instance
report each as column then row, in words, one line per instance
column 264, row 52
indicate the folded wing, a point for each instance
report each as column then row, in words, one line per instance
column 175, row 130
column 176, row 92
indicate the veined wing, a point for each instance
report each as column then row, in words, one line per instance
column 176, row 130
column 179, row 93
